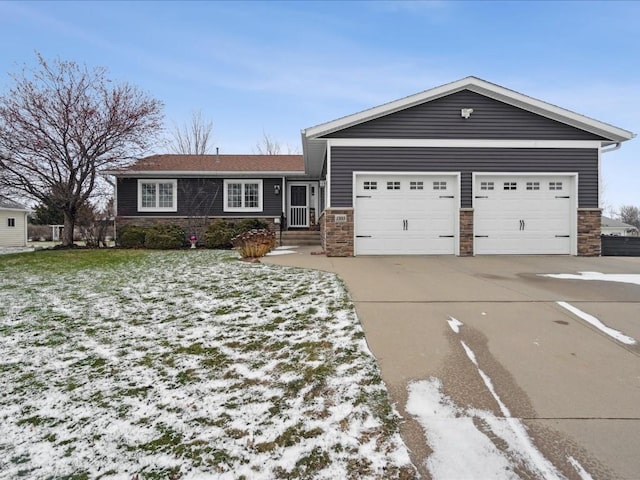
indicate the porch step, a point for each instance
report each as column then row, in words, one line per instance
column 299, row 237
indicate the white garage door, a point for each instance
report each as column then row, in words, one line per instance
column 523, row 214
column 405, row 214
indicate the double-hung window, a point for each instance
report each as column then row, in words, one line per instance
column 243, row 195
column 157, row 195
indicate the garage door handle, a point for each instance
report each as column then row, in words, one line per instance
column 363, row 196
column 563, row 236
column 363, row 236
column 481, row 236
column 447, row 236
column 447, row 196
column 480, row 196
column 559, row 196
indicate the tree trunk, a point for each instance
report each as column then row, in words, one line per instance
column 67, row 233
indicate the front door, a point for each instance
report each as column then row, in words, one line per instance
column 298, row 206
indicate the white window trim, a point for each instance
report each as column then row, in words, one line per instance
column 174, row 182
column 226, row 206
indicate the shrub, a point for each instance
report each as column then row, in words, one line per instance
column 250, row 224
column 131, row 236
column 165, row 237
column 219, row 234
column 255, row 243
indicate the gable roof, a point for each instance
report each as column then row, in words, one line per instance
column 213, row 165
column 613, row 223
column 314, row 147
column 8, row 204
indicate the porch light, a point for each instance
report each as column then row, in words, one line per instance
column 276, row 189
column 323, row 183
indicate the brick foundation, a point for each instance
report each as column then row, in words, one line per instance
column 589, row 228
column 466, row 232
column 337, row 236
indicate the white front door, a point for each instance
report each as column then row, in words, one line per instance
column 524, row 214
column 298, row 205
column 405, row 214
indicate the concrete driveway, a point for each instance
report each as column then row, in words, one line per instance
column 575, row 388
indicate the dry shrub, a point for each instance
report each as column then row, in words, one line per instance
column 255, row 243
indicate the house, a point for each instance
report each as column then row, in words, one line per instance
column 175, row 189
column 617, row 228
column 13, row 223
column 467, row 168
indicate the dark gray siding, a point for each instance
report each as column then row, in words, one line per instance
column 441, row 118
column 346, row 160
column 198, row 197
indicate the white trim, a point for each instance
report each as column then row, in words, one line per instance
column 327, row 188
column 574, row 198
column 307, row 186
column 173, row 208
column 482, row 87
column 26, row 228
column 457, row 175
column 462, row 143
column 600, row 200
column 243, row 182
column 284, row 196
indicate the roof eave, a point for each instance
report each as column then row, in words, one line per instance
column 194, row 173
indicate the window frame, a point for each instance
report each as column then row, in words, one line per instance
column 243, row 182
column 157, row 181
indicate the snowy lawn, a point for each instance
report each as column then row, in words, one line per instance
column 191, row 364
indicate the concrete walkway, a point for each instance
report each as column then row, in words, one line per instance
column 576, row 389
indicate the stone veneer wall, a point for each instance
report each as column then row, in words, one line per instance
column 466, row 232
column 337, row 237
column 589, row 229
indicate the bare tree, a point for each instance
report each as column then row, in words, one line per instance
column 267, row 145
column 193, row 137
column 199, row 195
column 630, row 214
column 61, row 123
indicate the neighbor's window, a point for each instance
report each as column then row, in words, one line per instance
column 157, row 195
column 11, row 222
column 243, row 195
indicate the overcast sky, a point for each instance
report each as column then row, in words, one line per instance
column 279, row 67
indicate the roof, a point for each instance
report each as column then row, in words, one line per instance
column 314, row 147
column 613, row 223
column 213, row 165
column 8, row 204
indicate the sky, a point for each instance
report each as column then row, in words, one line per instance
column 279, row 67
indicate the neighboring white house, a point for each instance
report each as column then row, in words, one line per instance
column 13, row 223
column 617, row 228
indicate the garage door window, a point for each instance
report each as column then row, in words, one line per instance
column 370, row 185
column 439, row 185
column 555, row 185
column 510, row 185
column 393, row 185
column 533, row 185
column 416, row 186
column 486, row 185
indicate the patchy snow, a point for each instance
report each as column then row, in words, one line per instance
column 188, row 364
column 582, row 473
column 633, row 278
column 494, row 447
column 618, row 335
column 279, row 251
column 11, row 250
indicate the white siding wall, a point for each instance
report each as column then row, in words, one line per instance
column 13, row 236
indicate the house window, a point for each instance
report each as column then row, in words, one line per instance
column 243, row 195
column 11, row 222
column 370, row 185
column 533, row 185
column 555, row 185
column 510, row 185
column 157, row 195
column 393, row 185
column 416, row 185
column 439, row 185
column 486, row 185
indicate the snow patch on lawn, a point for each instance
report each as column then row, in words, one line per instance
column 612, row 332
column 632, row 278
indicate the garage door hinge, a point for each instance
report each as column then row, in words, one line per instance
column 363, row 236
column 447, row 196
column 447, row 236
column 558, row 196
column 363, row 196
column 481, row 236
column 480, row 196
column 563, row 236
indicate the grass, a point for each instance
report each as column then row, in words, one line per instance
column 136, row 364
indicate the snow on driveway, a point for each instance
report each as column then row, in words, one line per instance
column 187, row 365
column 597, row 276
column 612, row 332
column 473, row 443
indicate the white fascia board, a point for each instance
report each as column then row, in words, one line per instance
column 27, row 210
column 482, row 87
column 462, row 143
column 175, row 173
